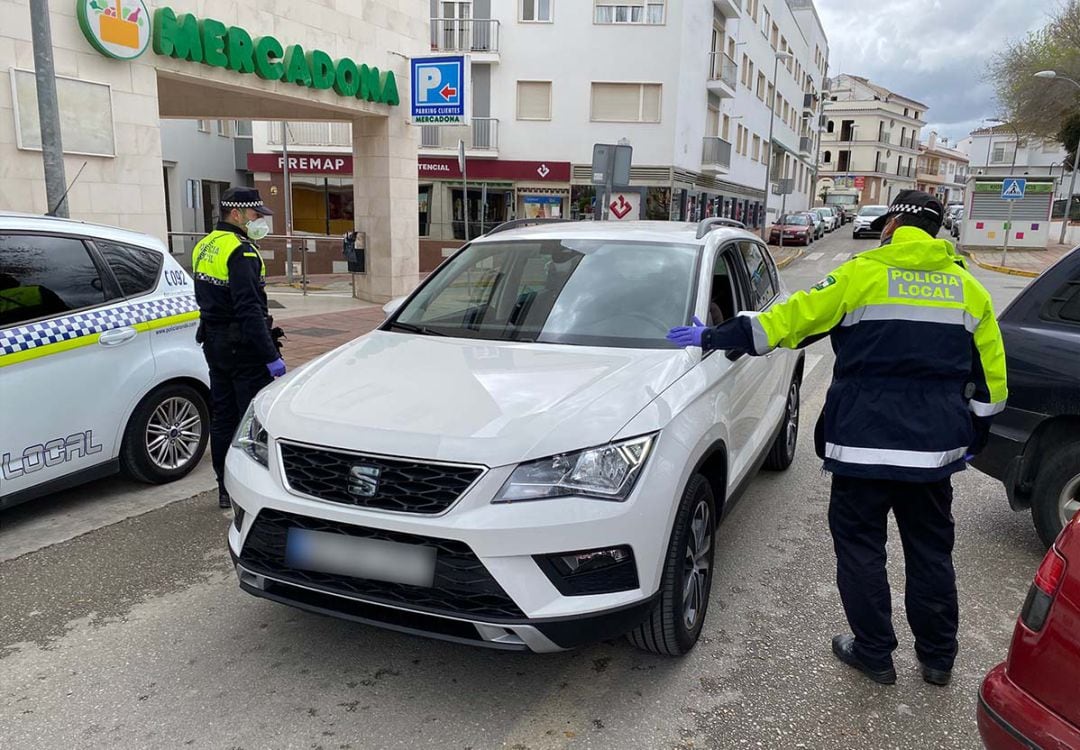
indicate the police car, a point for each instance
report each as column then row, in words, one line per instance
column 99, row 369
column 518, row 458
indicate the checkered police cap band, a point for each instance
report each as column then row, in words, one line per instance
column 907, row 208
column 242, row 204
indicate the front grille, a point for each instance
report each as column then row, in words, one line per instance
column 462, row 585
column 375, row 482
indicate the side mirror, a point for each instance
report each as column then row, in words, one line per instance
column 392, row 306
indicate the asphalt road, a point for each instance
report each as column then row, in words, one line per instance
column 136, row 635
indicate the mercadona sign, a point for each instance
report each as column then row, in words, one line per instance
column 212, row 43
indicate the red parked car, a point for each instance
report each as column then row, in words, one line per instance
column 797, row 229
column 1033, row 699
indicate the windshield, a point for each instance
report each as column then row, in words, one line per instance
column 795, row 219
column 873, row 210
column 585, row 292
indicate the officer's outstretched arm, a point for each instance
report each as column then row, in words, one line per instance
column 801, row 320
column 244, row 286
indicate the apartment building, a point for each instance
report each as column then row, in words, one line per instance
column 869, row 147
column 942, row 170
column 688, row 84
column 996, row 152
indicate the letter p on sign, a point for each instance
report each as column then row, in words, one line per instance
column 428, row 79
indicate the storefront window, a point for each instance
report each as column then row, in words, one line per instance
column 423, row 203
column 322, row 205
column 658, row 204
column 582, row 202
column 542, row 206
column 487, row 209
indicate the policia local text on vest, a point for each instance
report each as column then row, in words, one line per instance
column 236, row 332
column 920, row 373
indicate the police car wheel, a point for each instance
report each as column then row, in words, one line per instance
column 674, row 624
column 782, row 452
column 1056, row 496
column 167, row 434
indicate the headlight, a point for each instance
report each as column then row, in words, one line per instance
column 605, row 473
column 251, row 437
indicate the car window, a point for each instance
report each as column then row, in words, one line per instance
column 1064, row 304
column 763, row 286
column 723, row 304
column 42, row 276
column 873, row 210
column 795, row 220
column 585, row 292
column 137, row 269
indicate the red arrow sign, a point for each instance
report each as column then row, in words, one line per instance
column 448, row 92
column 621, row 207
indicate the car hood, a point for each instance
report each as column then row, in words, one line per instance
column 491, row 403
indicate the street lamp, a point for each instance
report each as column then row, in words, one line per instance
column 785, row 56
column 1053, row 75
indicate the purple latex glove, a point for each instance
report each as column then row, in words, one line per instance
column 685, row 336
column 277, row 367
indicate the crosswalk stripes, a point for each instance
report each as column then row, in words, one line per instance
column 841, row 256
column 815, row 256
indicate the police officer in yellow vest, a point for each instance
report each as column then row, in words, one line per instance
column 919, row 374
column 234, row 327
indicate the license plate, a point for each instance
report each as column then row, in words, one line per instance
column 376, row 559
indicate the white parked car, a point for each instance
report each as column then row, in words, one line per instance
column 517, row 457
column 98, row 361
column 826, row 214
column 861, row 226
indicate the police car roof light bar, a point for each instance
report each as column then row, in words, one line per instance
column 707, row 225
column 516, row 223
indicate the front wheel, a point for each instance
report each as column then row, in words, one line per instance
column 674, row 624
column 166, row 436
column 1056, row 496
column 782, row 452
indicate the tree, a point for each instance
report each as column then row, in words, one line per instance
column 1069, row 135
column 1036, row 106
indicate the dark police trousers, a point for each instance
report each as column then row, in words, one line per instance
column 236, row 375
column 858, row 519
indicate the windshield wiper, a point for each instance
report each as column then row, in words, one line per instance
column 423, row 331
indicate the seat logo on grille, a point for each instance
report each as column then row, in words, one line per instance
column 364, row 480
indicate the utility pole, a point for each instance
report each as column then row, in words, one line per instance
column 52, row 148
column 769, row 162
column 288, row 201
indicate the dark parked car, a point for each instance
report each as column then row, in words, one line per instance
column 1031, row 700
column 1034, row 446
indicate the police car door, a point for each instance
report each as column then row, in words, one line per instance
column 72, row 364
column 735, row 381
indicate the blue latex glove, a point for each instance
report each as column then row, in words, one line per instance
column 969, row 457
column 277, row 367
column 685, row 336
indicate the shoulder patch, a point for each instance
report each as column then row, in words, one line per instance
column 825, row 283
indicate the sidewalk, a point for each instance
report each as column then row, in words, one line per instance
column 786, row 255
column 1026, row 263
column 312, row 335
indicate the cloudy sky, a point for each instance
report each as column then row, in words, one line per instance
column 934, row 51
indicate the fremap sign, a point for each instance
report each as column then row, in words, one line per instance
column 122, row 29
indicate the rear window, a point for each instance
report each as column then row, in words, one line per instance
column 137, row 269
column 43, row 276
column 1064, row 304
column 873, row 210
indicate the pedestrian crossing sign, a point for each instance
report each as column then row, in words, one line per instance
column 1013, row 189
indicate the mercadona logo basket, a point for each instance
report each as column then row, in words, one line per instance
column 116, row 28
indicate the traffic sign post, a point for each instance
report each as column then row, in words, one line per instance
column 440, row 90
column 1012, row 190
column 610, row 167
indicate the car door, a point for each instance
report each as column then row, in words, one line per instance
column 733, row 391
column 70, row 364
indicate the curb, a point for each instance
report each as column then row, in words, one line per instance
column 1001, row 269
column 781, row 264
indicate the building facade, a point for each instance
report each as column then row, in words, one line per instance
column 942, row 170
column 688, row 85
column 996, row 152
column 869, row 147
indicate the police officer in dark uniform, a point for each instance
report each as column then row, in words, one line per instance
column 919, row 374
column 235, row 329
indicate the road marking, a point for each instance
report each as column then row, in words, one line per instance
column 815, row 256
column 812, row 361
column 841, row 256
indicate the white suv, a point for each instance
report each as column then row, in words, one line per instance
column 98, row 360
column 517, row 457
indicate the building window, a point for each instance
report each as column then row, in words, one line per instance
column 761, row 86
column 831, row 127
column 828, row 157
column 534, row 100
column 630, row 11
column 774, row 38
column 203, row 126
column 1003, row 152
column 766, row 21
column 757, row 148
column 625, row 102
column 536, row 11
column 242, row 128
column 424, row 209
column 223, row 128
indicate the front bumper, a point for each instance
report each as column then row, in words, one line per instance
column 1011, row 719
column 516, row 606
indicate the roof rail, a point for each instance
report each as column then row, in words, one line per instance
column 516, row 223
column 707, row 225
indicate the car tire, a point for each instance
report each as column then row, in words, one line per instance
column 177, row 414
column 1056, row 492
column 674, row 624
column 782, row 452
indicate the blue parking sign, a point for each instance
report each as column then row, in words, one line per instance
column 438, row 90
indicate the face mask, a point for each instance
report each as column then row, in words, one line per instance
column 257, row 229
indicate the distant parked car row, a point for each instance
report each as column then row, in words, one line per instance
column 803, row 227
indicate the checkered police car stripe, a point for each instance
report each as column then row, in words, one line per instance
column 58, row 334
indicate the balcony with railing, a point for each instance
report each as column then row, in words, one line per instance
column 810, row 102
column 715, row 154
column 305, row 134
column 723, row 74
column 477, row 36
column 806, row 145
column 481, row 135
column 729, row 8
